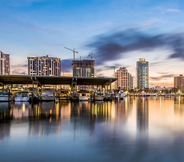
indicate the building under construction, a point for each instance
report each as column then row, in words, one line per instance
column 83, row 68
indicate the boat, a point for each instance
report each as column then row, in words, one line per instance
column 143, row 94
column 122, row 95
column 64, row 94
column 34, row 96
column 98, row 96
column 47, row 95
column 5, row 97
column 74, row 96
column 84, row 95
column 22, row 96
column 109, row 96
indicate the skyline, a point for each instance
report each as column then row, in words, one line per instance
column 117, row 33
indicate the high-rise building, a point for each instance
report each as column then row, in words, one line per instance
column 4, row 64
column 179, row 82
column 83, row 68
column 142, row 74
column 124, row 79
column 44, row 66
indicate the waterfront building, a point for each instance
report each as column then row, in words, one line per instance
column 4, row 64
column 44, row 66
column 83, row 68
column 124, row 79
column 142, row 74
column 179, row 82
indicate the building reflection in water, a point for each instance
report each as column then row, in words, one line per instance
column 142, row 114
column 52, row 112
column 4, row 129
column 20, row 110
column 179, row 106
column 6, row 110
column 5, row 124
column 123, row 109
column 47, row 117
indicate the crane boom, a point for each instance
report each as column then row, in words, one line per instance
column 73, row 50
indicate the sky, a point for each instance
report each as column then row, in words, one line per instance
column 116, row 33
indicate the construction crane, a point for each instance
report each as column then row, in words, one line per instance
column 73, row 50
column 91, row 55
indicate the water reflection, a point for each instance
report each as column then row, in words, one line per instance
column 5, row 110
column 20, row 110
column 4, row 129
column 133, row 129
column 179, row 105
column 142, row 114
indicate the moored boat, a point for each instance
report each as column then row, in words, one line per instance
column 74, row 96
column 98, row 96
column 22, row 96
column 47, row 95
column 122, row 95
column 64, row 94
column 84, row 95
column 5, row 96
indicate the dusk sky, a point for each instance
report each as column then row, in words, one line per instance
column 116, row 32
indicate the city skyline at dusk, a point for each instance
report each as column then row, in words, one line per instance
column 115, row 33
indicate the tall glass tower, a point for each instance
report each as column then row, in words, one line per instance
column 142, row 74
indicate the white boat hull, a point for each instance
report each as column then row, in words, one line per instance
column 47, row 95
column 22, row 99
column 4, row 98
column 84, row 98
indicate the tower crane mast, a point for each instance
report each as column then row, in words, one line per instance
column 73, row 50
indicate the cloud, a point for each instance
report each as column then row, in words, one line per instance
column 19, row 72
column 115, row 45
column 162, row 77
column 20, row 65
column 173, row 10
column 156, row 63
column 19, row 69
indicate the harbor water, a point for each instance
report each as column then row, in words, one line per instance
column 135, row 129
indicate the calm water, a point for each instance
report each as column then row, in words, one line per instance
column 134, row 129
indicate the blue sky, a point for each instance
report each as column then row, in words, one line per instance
column 116, row 32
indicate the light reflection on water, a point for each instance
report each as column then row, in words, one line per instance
column 133, row 129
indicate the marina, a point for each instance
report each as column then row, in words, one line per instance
column 91, row 81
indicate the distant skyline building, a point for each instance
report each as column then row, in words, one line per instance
column 124, row 79
column 44, row 66
column 142, row 69
column 83, row 68
column 179, row 82
column 4, row 63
